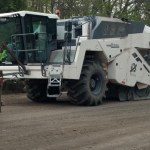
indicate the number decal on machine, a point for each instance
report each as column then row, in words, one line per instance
column 133, row 67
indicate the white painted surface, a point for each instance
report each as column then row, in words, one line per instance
column 23, row 13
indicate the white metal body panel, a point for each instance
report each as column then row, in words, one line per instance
column 127, row 70
column 61, row 31
column 118, row 74
column 112, row 47
column 73, row 71
column 117, row 69
column 23, row 13
column 146, row 29
column 109, row 47
column 35, row 71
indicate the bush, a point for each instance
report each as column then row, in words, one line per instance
column 9, row 87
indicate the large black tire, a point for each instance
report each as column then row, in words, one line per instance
column 36, row 90
column 90, row 89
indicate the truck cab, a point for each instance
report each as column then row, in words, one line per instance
column 31, row 36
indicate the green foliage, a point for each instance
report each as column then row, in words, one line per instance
column 10, row 87
column 12, row 5
column 131, row 9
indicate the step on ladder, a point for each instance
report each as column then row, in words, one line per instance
column 54, row 81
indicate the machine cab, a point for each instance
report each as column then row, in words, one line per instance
column 31, row 36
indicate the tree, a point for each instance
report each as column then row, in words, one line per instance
column 131, row 9
column 12, row 5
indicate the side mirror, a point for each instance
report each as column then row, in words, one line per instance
column 68, row 37
column 68, row 26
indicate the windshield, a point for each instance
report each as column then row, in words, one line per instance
column 30, row 47
column 8, row 27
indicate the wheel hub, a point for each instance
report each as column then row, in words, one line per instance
column 92, row 83
column 95, row 83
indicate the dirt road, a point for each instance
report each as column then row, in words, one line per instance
column 25, row 125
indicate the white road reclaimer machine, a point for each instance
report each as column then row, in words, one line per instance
column 90, row 57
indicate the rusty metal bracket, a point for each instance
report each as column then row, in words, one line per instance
column 12, row 55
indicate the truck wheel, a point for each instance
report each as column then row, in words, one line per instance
column 36, row 91
column 90, row 88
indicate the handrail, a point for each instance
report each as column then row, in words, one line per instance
column 76, row 47
column 29, row 50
